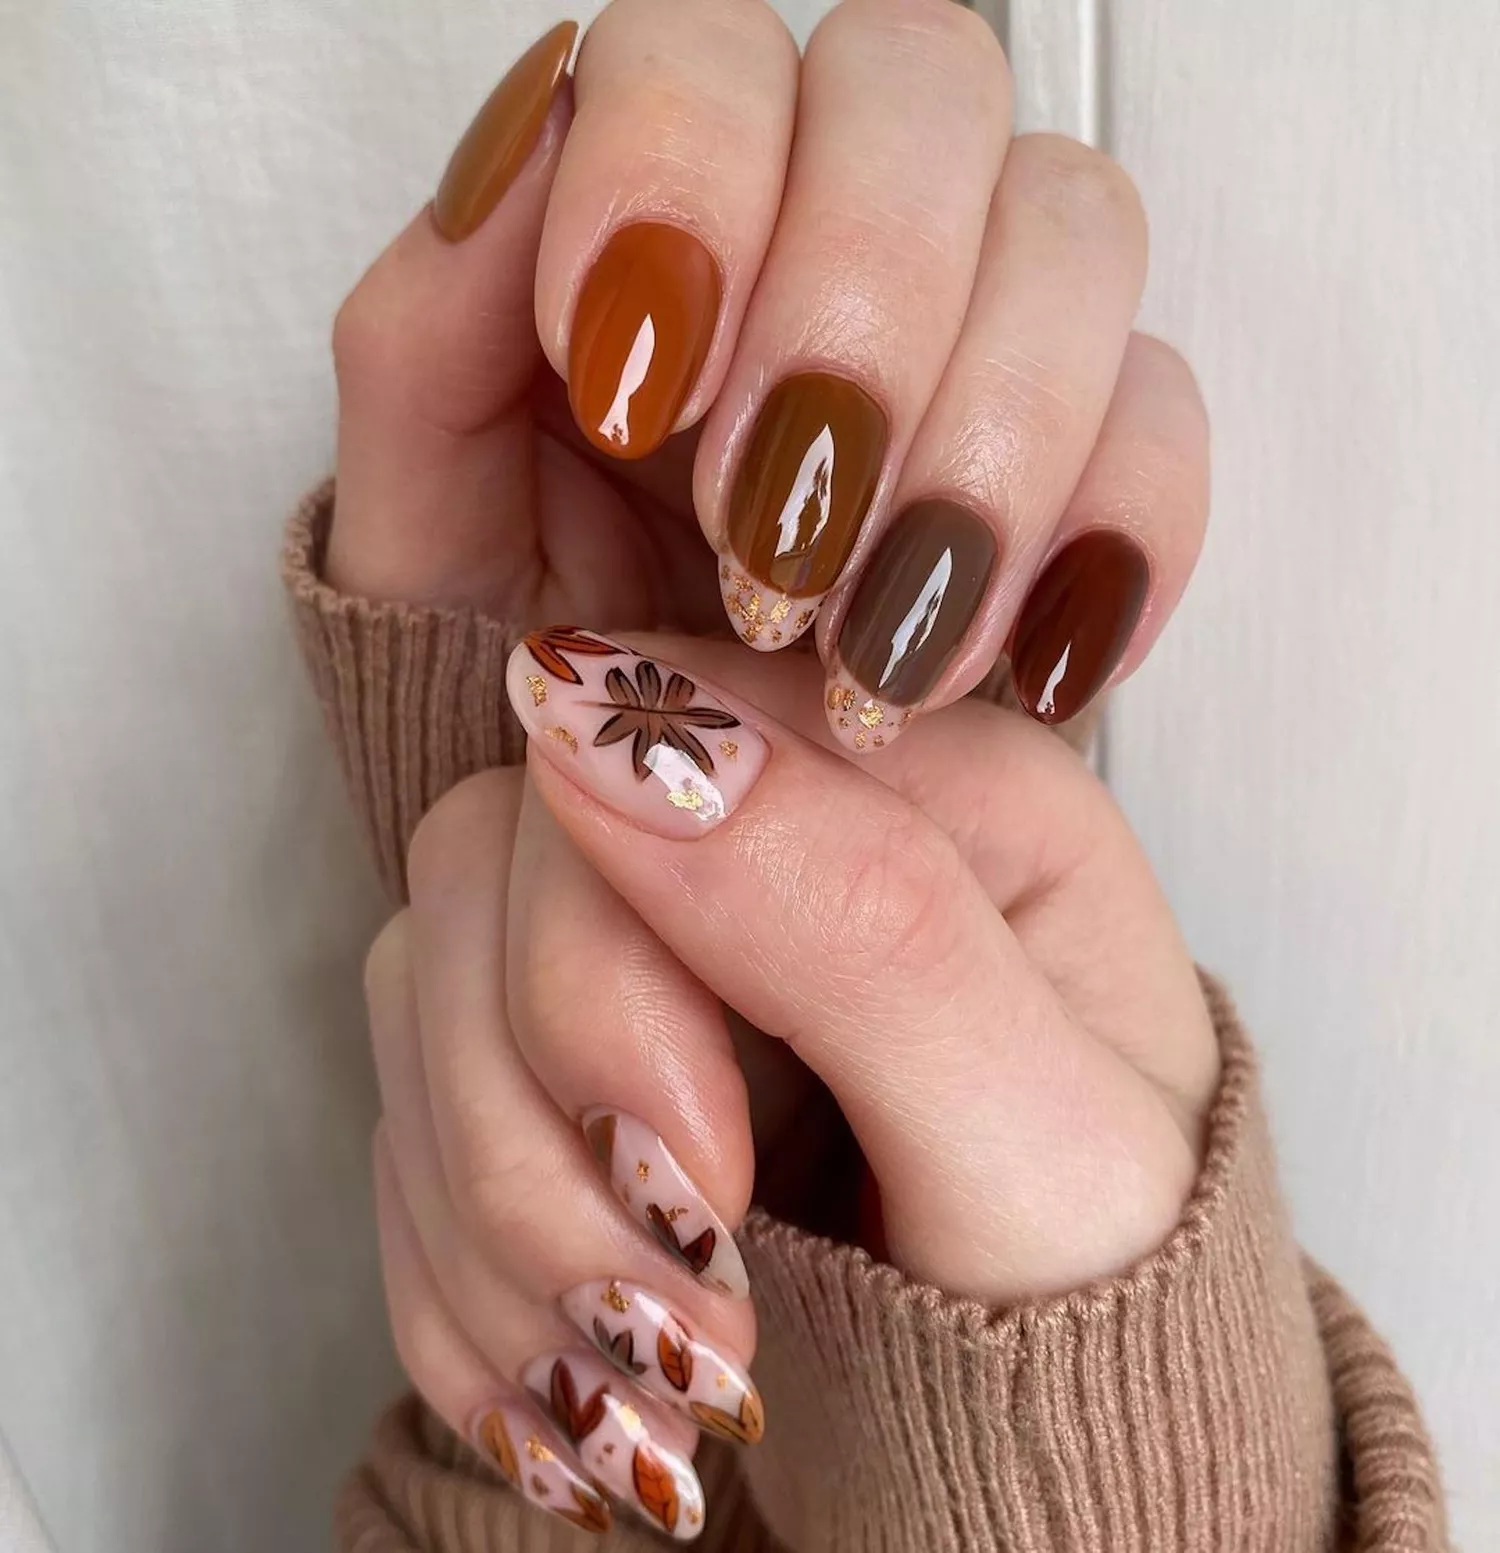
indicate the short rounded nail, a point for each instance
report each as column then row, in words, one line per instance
column 648, row 740
column 660, row 1195
column 640, row 335
column 496, row 146
column 1077, row 622
column 534, row 1460
column 911, row 609
column 636, row 1331
column 605, row 1420
column 801, row 491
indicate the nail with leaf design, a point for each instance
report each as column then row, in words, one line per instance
column 622, row 1439
column 534, row 1459
column 662, row 1196
column 636, row 1331
column 642, row 737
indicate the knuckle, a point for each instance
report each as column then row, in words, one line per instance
column 369, row 344
column 1079, row 187
column 471, row 820
column 493, row 1186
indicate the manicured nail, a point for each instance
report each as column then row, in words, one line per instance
column 503, row 135
column 803, row 486
column 533, row 1459
column 636, row 1332
column 594, row 1409
column 640, row 336
column 911, row 609
column 1076, row 623
column 660, row 747
column 661, row 1194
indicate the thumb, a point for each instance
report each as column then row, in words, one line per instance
column 1015, row 1154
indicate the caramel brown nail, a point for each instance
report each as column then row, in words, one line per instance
column 912, row 606
column 1076, row 623
column 803, row 486
column 504, row 132
column 641, row 333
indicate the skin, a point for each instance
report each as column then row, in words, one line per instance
column 958, row 935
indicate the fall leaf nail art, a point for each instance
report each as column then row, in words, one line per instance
column 533, row 1459
column 622, row 1439
column 647, row 739
column 636, row 1331
column 658, row 1192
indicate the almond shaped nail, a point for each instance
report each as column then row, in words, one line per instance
column 534, row 1460
column 496, row 146
column 620, row 1442
column 636, row 1331
column 912, row 608
column 640, row 335
column 662, row 1196
column 652, row 742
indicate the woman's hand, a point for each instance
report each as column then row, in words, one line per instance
column 969, row 952
column 895, row 343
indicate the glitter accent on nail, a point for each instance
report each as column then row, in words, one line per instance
column 871, row 714
column 564, row 736
column 537, row 1451
column 642, row 1170
column 729, row 749
column 615, row 1298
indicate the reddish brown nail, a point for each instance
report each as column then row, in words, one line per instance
column 497, row 144
column 1076, row 623
column 640, row 336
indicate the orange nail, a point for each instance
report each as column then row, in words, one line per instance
column 641, row 333
column 503, row 135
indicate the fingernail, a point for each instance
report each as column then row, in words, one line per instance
column 593, row 1408
column 911, row 608
column 533, row 1459
column 803, row 486
column 661, row 1195
column 497, row 144
column 636, row 1332
column 1076, row 623
column 660, row 747
column 640, row 336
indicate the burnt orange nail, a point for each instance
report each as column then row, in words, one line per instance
column 503, row 135
column 640, row 336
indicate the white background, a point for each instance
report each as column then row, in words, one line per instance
column 191, row 1339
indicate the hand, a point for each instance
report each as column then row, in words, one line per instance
column 894, row 343
column 969, row 952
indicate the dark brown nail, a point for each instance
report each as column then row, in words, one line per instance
column 1076, row 623
column 805, row 482
column 497, row 144
column 915, row 600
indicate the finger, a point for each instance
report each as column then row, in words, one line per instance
column 832, row 914
column 624, row 1038
column 858, row 303
column 662, row 209
column 1126, row 545
column 457, row 1385
column 435, row 349
column 1002, row 444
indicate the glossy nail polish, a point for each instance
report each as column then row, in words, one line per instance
column 661, row 1195
column 618, row 1439
column 657, row 745
column 534, row 1460
column 641, row 1337
column 803, row 486
column 503, row 135
column 911, row 609
column 1076, row 623
column 641, row 332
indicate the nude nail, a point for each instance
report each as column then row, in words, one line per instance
column 532, row 1458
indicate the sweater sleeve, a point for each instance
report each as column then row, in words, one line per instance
column 1224, row 1393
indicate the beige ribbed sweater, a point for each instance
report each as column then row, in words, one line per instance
column 1226, row 1394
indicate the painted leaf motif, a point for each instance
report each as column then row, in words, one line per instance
column 600, row 1134
column 655, row 1487
column 746, row 1426
column 675, row 1358
column 548, row 647
column 649, row 714
column 496, row 1441
column 592, row 1514
column 697, row 1253
column 579, row 1419
column 620, row 1346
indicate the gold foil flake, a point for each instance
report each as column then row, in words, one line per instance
column 615, row 1297
column 860, row 740
column 630, row 1420
column 843, row 722
column 673, row 1214
column 689, row 798
column 742, row 584
column 776, row 636
column 642, row 1170
column 537, row 1451
column 907, row 716
column 729, row 749
column 693, row 1517
column 804, row 619
column 564, row 736
column 839, row 699
column 538, row 688
column 871, row 714
column 781, row 610
column 721, row 1380
column 880, row 741
column 724, row 572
